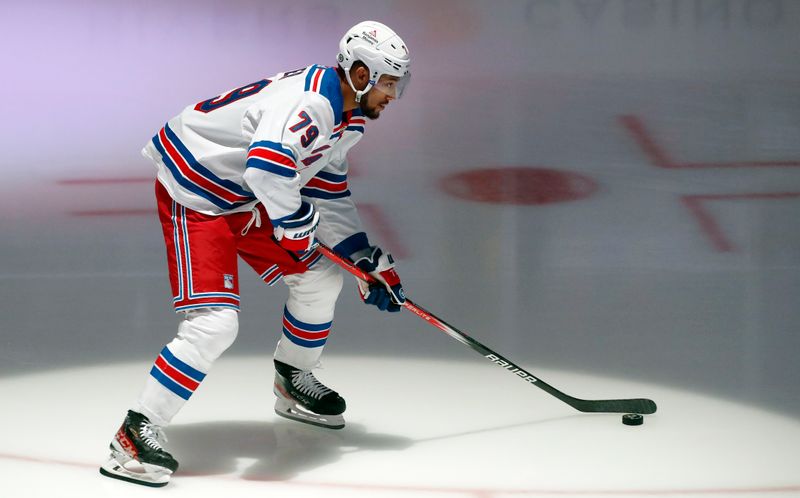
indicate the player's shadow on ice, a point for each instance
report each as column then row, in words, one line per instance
column 269, row 451
column 280, row 450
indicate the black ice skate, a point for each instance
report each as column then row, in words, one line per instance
column 303, row 398
column 137, row 455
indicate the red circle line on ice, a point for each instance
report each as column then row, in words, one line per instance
column 476, row 492
column 518, row 185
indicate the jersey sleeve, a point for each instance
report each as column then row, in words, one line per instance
column 340, row 225
column 282, row 140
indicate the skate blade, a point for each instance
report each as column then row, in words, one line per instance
column 291, row 411
column 154, row 478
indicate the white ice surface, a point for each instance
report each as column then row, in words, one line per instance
column 414, row 428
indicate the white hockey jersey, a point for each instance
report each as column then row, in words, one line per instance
column 271, row 141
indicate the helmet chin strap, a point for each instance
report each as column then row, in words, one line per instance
column 359, row 93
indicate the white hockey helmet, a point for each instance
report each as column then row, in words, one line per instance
column 381, row 50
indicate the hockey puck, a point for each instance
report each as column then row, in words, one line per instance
column 632, row 419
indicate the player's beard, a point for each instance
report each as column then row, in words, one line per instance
column 370, row 112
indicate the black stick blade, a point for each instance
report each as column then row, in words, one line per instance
column 639, row 405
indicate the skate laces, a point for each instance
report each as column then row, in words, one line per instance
column 306, row 383
column 152, row 435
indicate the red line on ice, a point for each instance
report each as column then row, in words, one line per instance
column 380, row 223
column 478, row 493
column 661, row 158
column 709, row 225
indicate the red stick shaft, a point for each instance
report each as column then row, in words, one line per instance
column 359, row 273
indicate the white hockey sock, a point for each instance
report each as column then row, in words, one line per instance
column 308, row 314
column 183, row 363
column 302, row 341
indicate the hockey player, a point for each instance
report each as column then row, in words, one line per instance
column 260, row 172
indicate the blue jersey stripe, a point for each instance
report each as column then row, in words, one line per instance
column 274, row 146
column 321, row 194
column 190, row 185
column 331, row 177
column 309, row 76
column 228, row 184
column 329, row 87
column 263, row 164
column 351, row 244
column 185, row 182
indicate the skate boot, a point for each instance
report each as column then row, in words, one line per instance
column 137, row 455
column 303, row 398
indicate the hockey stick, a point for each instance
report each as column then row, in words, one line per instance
column 637, row 405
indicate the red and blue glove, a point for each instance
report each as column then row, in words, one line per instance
column 387, row 292
column 296, row 233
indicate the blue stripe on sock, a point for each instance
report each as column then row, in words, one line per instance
column 311, row 327
column 181, row 366
column 303, row 342
column 170, row 384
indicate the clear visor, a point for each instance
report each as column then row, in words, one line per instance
column 392, row 86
